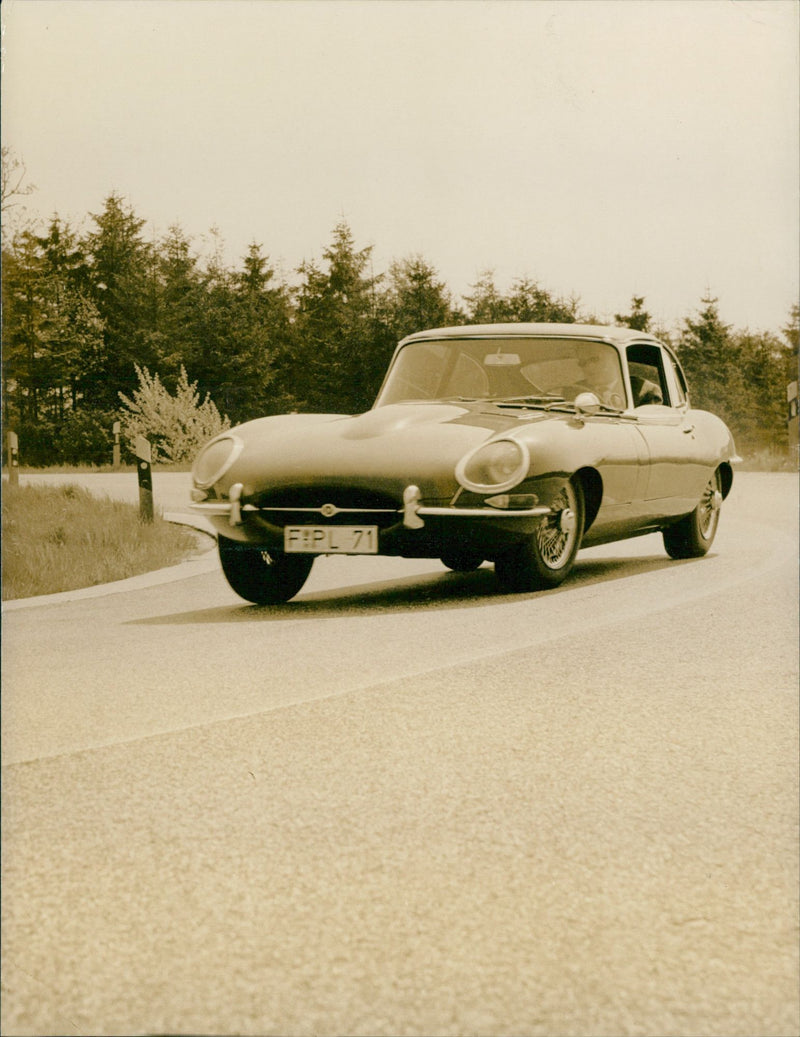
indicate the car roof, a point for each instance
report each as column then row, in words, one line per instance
column 608, row 333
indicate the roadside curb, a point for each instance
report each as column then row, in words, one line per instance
column 206, row 562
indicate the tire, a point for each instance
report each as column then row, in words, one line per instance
column 546, row 558
column 462, row 561
column 694, row 534
column 260, row 576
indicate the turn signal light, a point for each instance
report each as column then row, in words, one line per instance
column 513, row 501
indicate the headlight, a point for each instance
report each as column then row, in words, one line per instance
column 214, row 460
column 498, row 465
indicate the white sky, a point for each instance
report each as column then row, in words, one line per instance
column 603, row 148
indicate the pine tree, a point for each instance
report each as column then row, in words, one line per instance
column 242, row 335
column 486, row 305
column 415, row 298
column 263, row 335
column 125, row 293
column 72, row 328
column 52, row 329
column 177, row 298
column 711, row 358
column 638, row 319
column 343, row 344
column 528, row 302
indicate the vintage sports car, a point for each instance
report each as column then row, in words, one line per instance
column 510, row 443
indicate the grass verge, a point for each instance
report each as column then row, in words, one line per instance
column 62, row 538
column 94, row 469
column 767, row 460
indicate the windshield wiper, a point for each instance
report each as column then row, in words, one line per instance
column 545, row 401
column 543, row 398
column 511, row 401
column 560, row 403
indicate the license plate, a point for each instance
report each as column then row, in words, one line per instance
column 324, row 540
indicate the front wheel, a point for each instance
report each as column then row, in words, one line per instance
column 261, row 576
column 462, row 561
column 694, row 534
column 546, row 558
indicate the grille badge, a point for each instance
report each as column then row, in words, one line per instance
column 329, row 510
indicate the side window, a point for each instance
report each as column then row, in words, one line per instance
column 648, row 380
column 679, row 381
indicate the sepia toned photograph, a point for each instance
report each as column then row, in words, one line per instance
column 400, row 536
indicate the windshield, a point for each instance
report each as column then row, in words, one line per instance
column 546, row 369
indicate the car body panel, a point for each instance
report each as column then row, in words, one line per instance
column 366, row 449
column 641, row 467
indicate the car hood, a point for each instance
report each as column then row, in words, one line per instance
column 388, row 447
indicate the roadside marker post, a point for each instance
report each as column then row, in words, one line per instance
column 12, row 454
column 116, row 430
column 145, row 472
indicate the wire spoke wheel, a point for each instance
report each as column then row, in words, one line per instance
column 708, row 511
column 546, row 558
column 693, row 535
column 558, row 532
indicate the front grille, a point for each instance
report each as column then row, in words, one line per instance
column 330, row 506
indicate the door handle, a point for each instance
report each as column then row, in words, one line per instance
column 687, row 429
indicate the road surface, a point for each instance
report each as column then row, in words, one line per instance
column 408, row 804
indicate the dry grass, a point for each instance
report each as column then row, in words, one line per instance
column 62, row 538
column 94, row 469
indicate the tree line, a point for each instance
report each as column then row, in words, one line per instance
column 87, row 316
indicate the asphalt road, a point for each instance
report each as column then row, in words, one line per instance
column 408, row 804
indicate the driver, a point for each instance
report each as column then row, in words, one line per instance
column 601, row 375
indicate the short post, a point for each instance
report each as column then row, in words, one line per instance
column 116, row 430
column 12, row 453
column 143, row 455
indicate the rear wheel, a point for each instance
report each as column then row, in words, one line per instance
column 693, row 535
column 261, row 576
column 546, row 558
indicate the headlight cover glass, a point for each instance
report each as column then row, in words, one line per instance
column 494, row 466
column 214, row 460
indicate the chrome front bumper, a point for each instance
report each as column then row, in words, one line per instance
column 412, row 512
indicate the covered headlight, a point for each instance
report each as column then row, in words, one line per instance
column 498, row 465
column 214, row 460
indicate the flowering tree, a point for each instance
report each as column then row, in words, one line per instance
column 176, row 426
